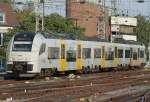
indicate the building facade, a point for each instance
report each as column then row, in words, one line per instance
column 123, row 27
column 89, row 16
column 7, row 21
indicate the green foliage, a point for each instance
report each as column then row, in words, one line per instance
column 143, row 30
column 59, row 24
column 26, row 20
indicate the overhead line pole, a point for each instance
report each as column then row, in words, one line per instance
column 104, row 22
column 39, row 17
column 43, row 16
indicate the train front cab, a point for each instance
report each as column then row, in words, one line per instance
column 22, row 55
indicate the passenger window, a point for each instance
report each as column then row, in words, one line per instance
column 97, row 53
column 42, row 49
column 127, row 53
column 53, row 53
column 62, row 51
column 71, row 56
column 120, row 53
column 79, row 51
column 86, row 53
column 134, row 55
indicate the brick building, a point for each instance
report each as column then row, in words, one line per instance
column 7, row 21
column 89, row 16
column 7, row 18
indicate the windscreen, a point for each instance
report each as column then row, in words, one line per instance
column 23, row 41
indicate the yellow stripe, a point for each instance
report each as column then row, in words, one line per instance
column 103, row 62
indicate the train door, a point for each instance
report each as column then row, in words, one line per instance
column 109, row 56
column 79, row 57
column 103, row 60
column 115, row 63
column 63, row 62
column 71, row 52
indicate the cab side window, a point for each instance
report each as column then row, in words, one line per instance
column 42, row 48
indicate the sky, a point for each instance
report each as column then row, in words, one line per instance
column 131, row 7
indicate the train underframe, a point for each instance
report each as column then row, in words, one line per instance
column 23, row 70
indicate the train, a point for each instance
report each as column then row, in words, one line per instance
column 32, row 54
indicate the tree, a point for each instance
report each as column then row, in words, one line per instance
column 59, row 24
column 53, row 23
column 143, row 30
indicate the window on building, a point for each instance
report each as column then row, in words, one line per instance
column 97, row 53
column 53, row 53
column 98, row 27
column 86, row 53
column 2, row 17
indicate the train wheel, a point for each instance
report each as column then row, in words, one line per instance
column 84, row 70
column 48, row 72
column 42, row 73
column 88, row 69
column 100, row 68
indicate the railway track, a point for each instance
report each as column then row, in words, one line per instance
column 65, row 90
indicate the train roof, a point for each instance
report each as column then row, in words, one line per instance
column 71, row 36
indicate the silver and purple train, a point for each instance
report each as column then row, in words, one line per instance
column 30, row 54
